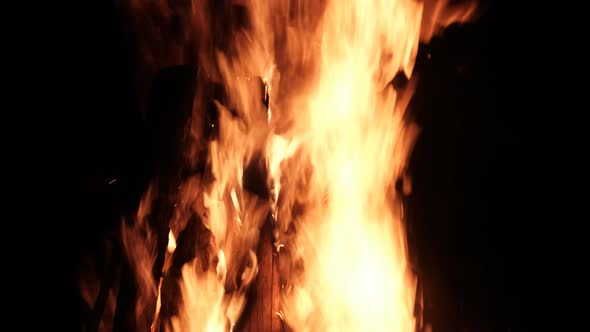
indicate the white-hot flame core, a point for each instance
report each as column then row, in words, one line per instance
column 356, row 274
column 171, row 242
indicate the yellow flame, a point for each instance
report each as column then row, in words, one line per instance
column 356, row 276
column 203, row 301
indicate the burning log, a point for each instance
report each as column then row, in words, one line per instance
column 170, row 109
column 261, row 311
column 107, row 283
column 178, row 165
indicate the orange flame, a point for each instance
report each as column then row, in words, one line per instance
column 440, row 14
column 139, row 244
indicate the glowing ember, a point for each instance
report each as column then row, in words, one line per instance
column 308, row 92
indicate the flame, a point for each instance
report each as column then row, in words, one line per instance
column 307, row 95
column 139, row 245
column 440, row 14
column 342, row 236
column 351, row 240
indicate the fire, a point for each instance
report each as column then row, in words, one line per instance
column 351, row 240
column 308, row 96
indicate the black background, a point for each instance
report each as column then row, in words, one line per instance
column 498, row 173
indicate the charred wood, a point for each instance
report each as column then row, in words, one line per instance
column 170, row 109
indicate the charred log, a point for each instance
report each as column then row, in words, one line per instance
column 170, row 108
column 107, row 283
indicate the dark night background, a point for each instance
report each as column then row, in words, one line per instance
column 497, row 210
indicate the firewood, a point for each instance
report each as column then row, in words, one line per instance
column 171, row 106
